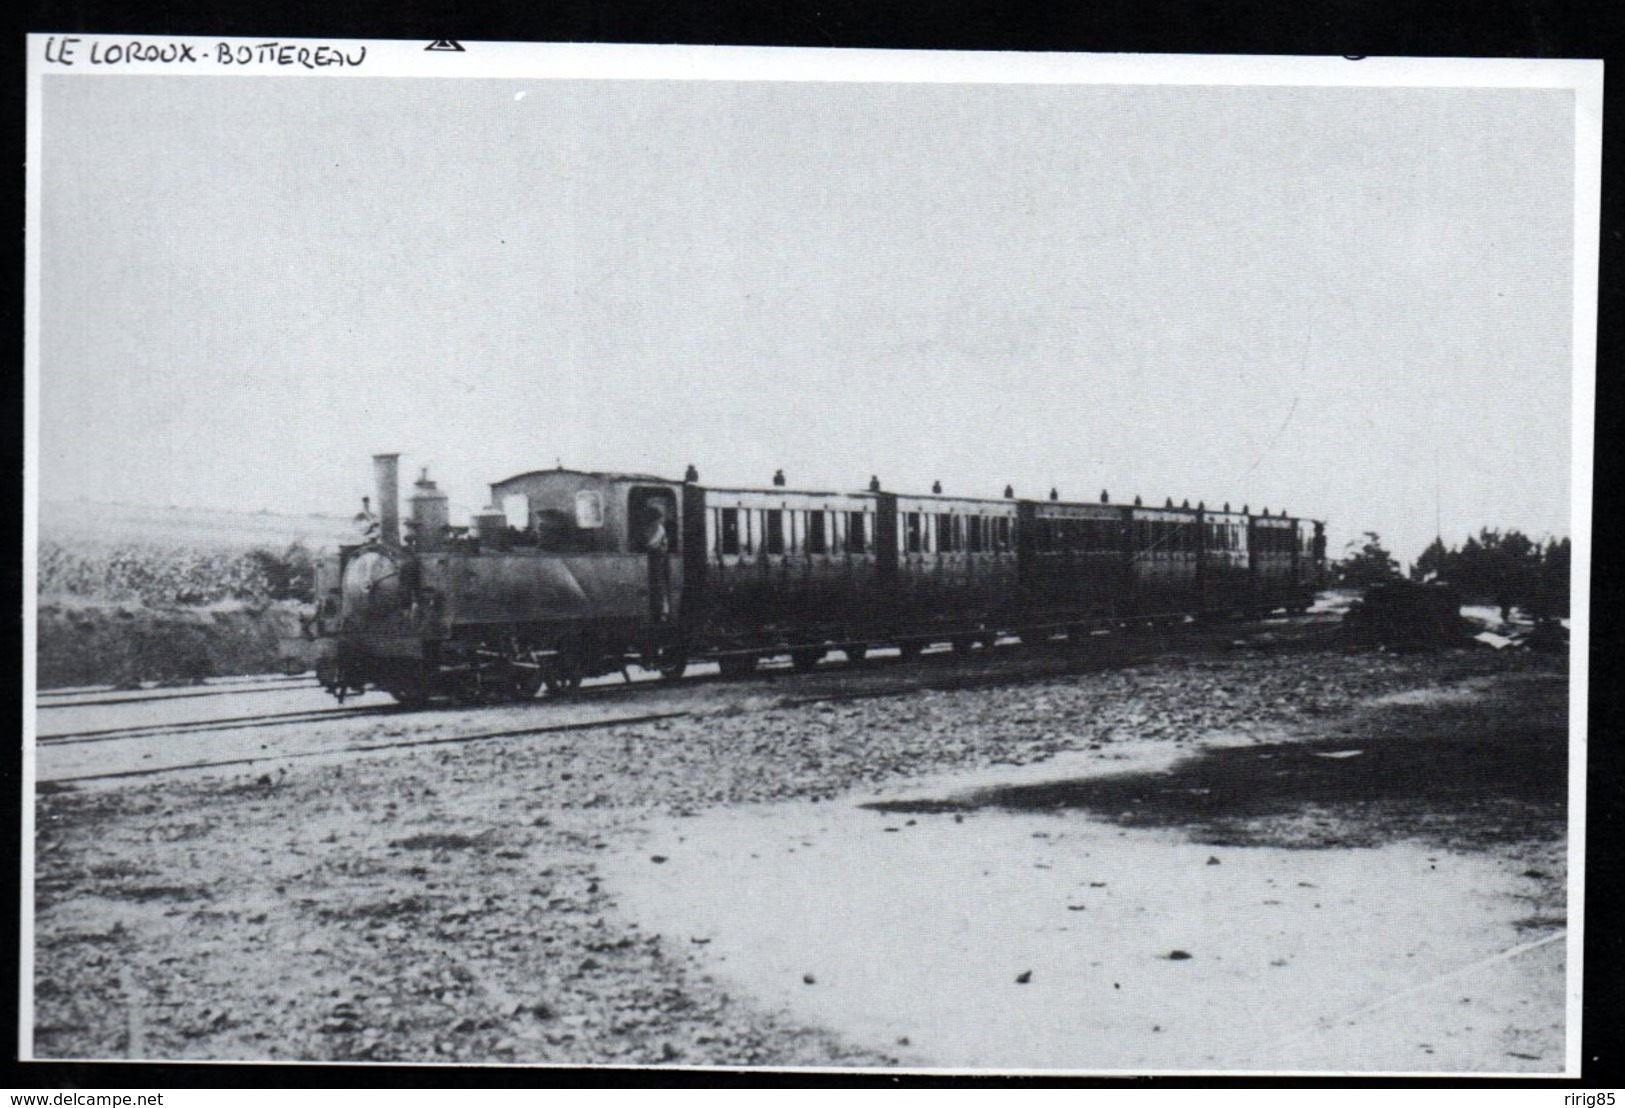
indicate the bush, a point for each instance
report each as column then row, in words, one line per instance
column 1366, row 565
column 161, row 576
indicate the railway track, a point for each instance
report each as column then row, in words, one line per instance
column 432, row 740
column 939, row 672
column 229, row 723
column 50, row 699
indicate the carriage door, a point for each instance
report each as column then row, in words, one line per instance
column 653, row 531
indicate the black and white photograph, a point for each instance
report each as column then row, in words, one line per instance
column 768, row 559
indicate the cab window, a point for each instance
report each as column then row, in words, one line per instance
column 589, row 509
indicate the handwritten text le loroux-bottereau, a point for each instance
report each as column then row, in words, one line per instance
column 70, row 50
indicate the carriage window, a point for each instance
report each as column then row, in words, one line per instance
column 973, row 534
column 728, row 531
column 856, row 538
column 945, row 532
column 1002, row 533
column 817, row 541
column 915, row 531
column 773, row 534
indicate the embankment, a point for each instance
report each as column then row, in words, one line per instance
column 128, row 644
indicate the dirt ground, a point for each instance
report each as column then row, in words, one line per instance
column 538, row 899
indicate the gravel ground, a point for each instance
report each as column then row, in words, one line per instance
column 444, row 904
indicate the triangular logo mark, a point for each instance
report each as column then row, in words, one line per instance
column 445, row 44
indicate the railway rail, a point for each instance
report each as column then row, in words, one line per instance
column 50, row 699
column 432, row 740
column 229, row 723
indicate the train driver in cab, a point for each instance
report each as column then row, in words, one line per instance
column 656, row 544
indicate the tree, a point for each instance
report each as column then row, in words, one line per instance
column 1366, row 563
column 1551, row 593
column 1505, row 568
column 1434, row 564
column 1501, row 568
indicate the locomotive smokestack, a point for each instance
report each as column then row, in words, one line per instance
column 386, row 471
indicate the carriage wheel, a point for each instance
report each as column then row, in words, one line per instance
column 962, row 643
column 736, row 665
column 856, row 652
column 674, row 669
column 910, row 650
column 803, row 661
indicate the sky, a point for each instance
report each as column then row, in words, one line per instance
column 1352, row 304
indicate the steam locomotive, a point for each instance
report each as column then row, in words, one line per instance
column 572, row 574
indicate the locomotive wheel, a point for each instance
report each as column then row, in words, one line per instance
column 674, row 669
column 560, row 684
column 803, row 661
column 563, row 676
column 411, row 698
column 524, row 683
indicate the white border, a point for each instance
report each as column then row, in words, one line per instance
column 576, row 61
column 560, row 61
column 1582, row 443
